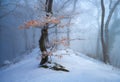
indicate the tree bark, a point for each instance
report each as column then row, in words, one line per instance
column 48, row 6
column 105, row 35
column 107, row 30
column 44, row 33
column 102, row 32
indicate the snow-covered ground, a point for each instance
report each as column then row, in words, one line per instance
column 82, row 69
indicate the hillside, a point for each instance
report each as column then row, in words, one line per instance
column 82, row 69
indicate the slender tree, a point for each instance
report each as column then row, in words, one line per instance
column 102, row 30
column 104, row 34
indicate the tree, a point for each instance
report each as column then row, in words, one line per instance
column 105, row 25
column 102, row 30
column 44, row 33
column 46, row 23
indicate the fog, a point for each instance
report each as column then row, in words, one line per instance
column 86, row 19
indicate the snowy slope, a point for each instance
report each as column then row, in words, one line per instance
column 82, row 69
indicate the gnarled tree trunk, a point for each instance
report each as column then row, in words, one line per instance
column 43, row 38
column 44, row 33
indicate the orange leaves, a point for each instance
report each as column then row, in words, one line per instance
column 42, row 22
column 37, row 23
column 63, row 41
column 33, row 23
column 54, row 21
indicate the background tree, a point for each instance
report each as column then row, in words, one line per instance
column 105, row 25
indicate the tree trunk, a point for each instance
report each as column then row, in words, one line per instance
column 105, row 39
column 44, row 33
column 48, row 6
column 102, row 32
column 107, row 30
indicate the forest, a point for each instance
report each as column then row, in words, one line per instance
column 80, row 37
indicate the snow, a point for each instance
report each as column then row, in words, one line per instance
column 82, row 69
